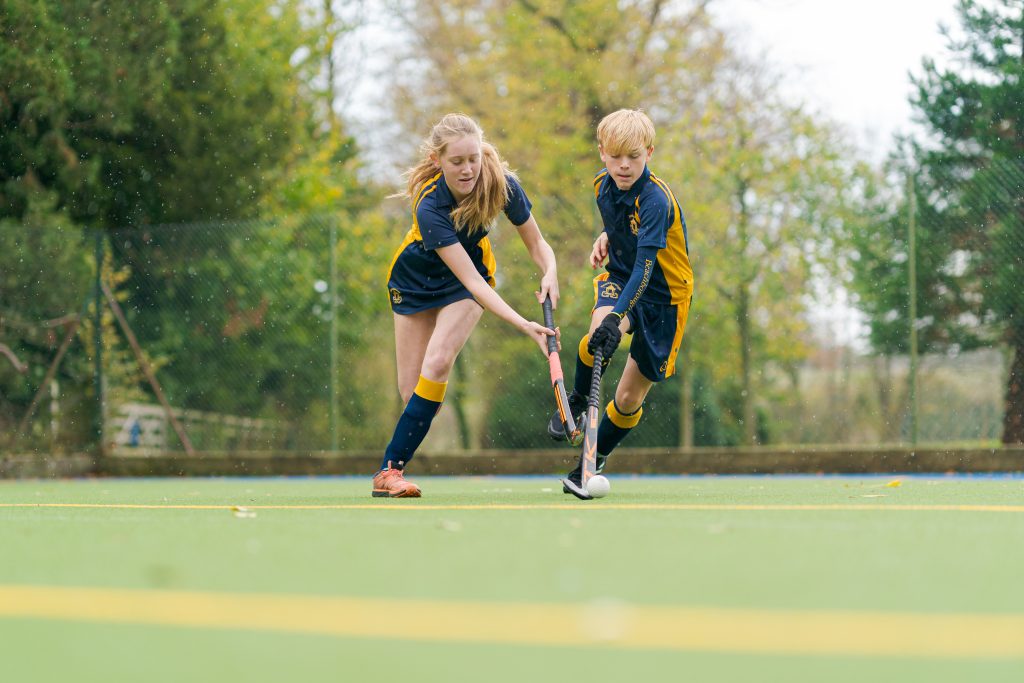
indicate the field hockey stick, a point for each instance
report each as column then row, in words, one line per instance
column 572, row 431
column 588, row 458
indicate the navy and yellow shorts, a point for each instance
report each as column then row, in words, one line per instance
column 656, row 329
column 419, row 280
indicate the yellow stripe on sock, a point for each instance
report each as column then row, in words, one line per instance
column 623, row 421
column 586, row 356
column 431, row 390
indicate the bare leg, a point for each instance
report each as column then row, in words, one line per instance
column 412, row 334
column 427, row 344
column 455, row 322
column 632, row 388
column 597, row 316
column 600, row 314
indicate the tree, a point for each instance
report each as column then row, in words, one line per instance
column 970, row 180
column 781, row 194
column 192, row 111
column 44, row 282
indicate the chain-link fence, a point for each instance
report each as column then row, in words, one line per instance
column 936, row 276
column 259, row 335
column 276, row 335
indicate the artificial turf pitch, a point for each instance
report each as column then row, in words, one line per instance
column 507, row 579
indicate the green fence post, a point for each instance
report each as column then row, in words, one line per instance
column 97, row 337
column 912, row 276
column 334, row 335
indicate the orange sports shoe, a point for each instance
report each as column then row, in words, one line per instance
column 390, row 483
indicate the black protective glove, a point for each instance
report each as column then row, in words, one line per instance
column 606, row 337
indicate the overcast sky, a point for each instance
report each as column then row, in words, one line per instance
column 850, row 59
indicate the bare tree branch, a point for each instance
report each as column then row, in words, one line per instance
column 553, row 22
column 648, row 31
column 18, row 365
column 63, row 320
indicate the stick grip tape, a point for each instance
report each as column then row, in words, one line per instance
column 549, row 322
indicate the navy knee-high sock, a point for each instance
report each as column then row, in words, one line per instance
column 614, row 427
column 414, row 423
column 585, row 368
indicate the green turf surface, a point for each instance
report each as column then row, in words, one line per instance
column 945, row 557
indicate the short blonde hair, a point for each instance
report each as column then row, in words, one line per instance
column 624, row 131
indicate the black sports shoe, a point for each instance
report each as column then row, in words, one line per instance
column 572, row 484
column 577, row 408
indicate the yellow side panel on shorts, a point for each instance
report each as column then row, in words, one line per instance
column 682, row 313
column 597, row 283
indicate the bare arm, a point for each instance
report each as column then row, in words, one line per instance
column 544, row 256
column 600, row 251
column 458, row 261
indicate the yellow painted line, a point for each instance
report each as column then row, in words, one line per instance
column 595, row 505
column 599, row 624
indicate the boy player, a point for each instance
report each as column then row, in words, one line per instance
column 646, row 287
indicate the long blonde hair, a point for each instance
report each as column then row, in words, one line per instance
column 480, row 209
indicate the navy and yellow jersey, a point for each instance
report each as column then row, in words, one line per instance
column 418, row 279
column 646, row 215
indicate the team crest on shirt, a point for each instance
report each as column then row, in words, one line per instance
column 396, row 296
column 610, row 290
column 634, row 223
